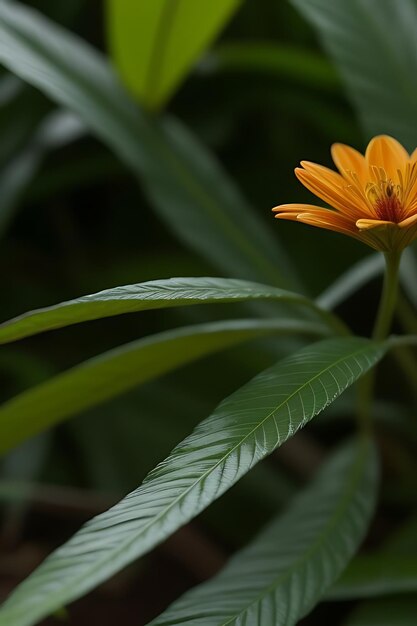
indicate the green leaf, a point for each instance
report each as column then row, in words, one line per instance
column 393, row 569
column 154, row 44
column 376, row 575
column 154, row 294
column 383, row 612
column 187, row 187
column 244, row 428
column 373, row 45
column 283, row 574
column 118, row 370
column 275, row 60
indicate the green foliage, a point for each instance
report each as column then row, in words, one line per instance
column 119, row 370
column 375, row 62
column 154, row 44
column 151, row 295
column 283, row 573
column 253, row 105
column 390, row 570
column 245, row 427
column 186, row 185
column 277, row 61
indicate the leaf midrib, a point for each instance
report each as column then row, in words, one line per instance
column 9, row 329
column 122, row 548
column 313, row 548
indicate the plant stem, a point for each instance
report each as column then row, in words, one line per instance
column 381, row 329
column 389, row 296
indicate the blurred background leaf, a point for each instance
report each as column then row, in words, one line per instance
column 56, row 130
column 110, row 374
column 184, row 182
column 154, row 44
column 376, row 62
column 274, row 60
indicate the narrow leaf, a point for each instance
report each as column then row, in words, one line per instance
column 391, row 570
column 245, row 427
column 186, row 185
column 123, row 368
column 283, row 574
column 154, row 44
column 373, row 44
column 155, row 294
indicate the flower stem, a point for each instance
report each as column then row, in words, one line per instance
column 389, row 296
column 381, row 329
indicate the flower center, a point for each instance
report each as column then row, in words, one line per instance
column 385, row 198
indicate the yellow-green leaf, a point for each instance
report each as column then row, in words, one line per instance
column 154, row 43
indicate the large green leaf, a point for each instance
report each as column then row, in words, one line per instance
column 154, row 44
column 154, row 294
column 387, row 612
column 373, row 44
column 282, row 575
column 186, row 185
column 245, row 427
column 118, row 370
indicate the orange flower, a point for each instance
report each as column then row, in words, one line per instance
column 373, row 198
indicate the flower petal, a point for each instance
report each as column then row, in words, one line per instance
column 360, row 193
column 332, row 188
column 298, row 208
column 348, row 159
column 366, row 224
column 328, row 222
column 409, row 221
column 388, row 235
column 317, row 216
column 408, row 230
column 387, row 153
